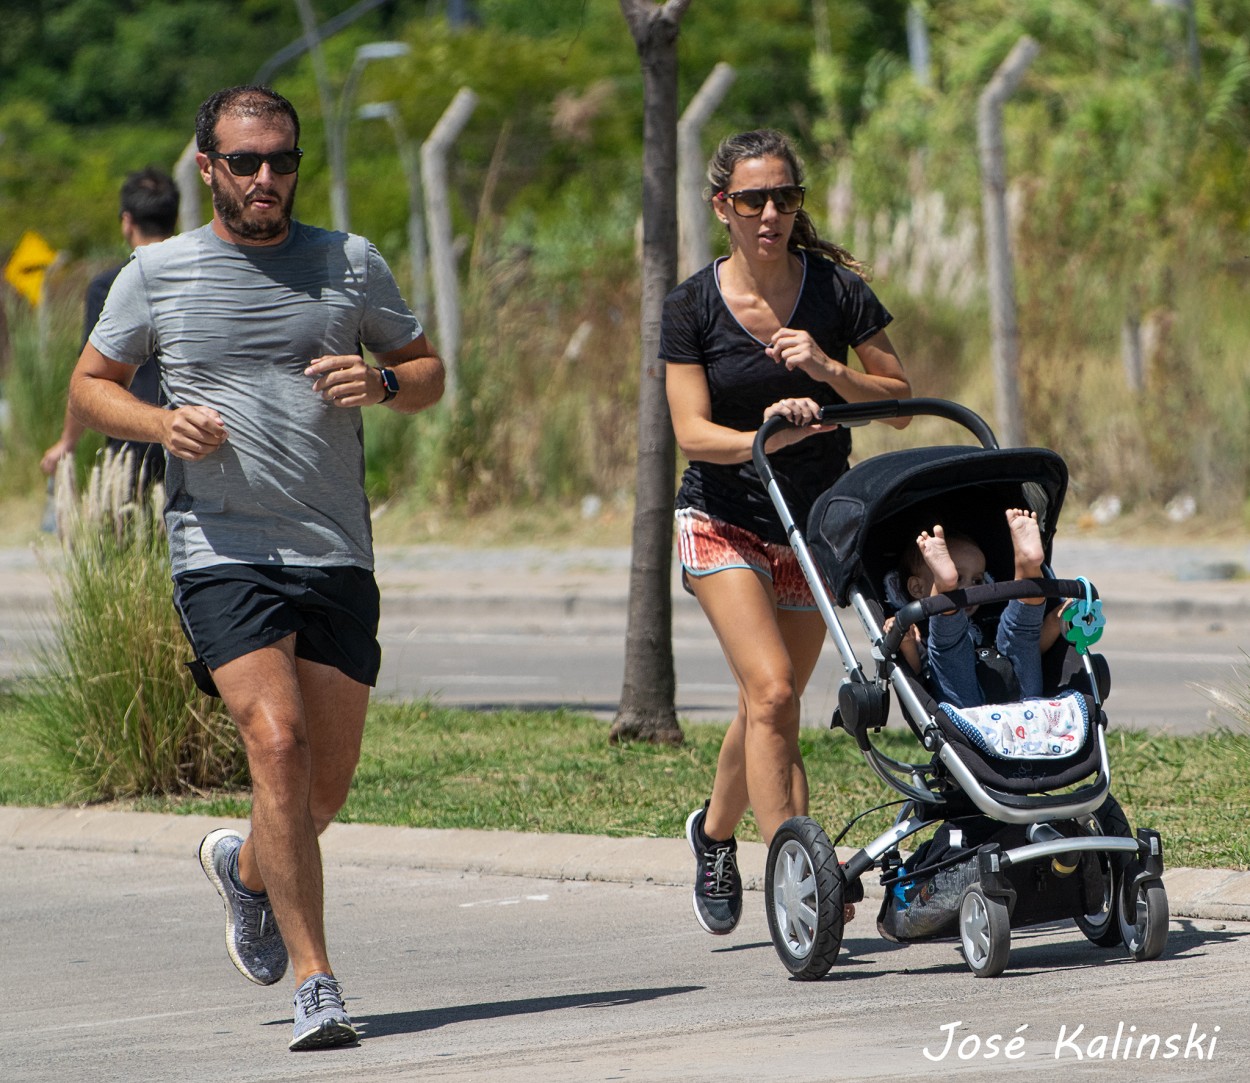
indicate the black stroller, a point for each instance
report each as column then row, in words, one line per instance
column 1019, row 840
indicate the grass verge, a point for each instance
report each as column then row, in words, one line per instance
column 541, row 771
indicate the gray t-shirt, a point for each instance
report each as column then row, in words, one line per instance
column 234, row 327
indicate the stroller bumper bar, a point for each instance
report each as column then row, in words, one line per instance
column 916, row 611
column 1022, row 855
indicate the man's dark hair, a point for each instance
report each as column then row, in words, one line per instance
column 150, row 197
column 240, row 101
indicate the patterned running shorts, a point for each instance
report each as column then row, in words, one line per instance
column 707, row 545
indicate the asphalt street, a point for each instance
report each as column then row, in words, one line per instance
column 540, row 627
column 531, row 627
column 559, row 959
column 543, row 959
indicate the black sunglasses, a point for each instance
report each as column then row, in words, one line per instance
column 247, row 163
column 750, row 202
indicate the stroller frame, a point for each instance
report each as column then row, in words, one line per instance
column 1081, row 828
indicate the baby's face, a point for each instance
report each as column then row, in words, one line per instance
column 969, row 564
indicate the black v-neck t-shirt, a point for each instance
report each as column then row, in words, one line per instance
column 839, row 310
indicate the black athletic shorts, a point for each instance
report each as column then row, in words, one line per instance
column 230, row 610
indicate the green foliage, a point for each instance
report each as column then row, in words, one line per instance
column 1126, row 173
column 98, row 61
column 111, row 700
column 1121, row 171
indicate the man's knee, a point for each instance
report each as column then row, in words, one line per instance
column 275, row 749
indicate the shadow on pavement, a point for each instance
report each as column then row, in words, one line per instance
column 377, row 1026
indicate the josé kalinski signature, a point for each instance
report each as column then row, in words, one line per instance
column 1078, row 1042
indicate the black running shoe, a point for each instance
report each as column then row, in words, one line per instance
column 717, row 885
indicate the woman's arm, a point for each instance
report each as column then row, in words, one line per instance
column 883, row 376
column 702, row 440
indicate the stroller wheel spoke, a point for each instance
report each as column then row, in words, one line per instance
column 800, row 934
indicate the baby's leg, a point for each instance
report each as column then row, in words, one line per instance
column 1026, row 541
column 938, row 559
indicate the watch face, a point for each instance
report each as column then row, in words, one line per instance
column 391, row 382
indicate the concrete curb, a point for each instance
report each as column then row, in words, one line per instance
column 1210, row 894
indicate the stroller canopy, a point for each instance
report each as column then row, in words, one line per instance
column 859, row 529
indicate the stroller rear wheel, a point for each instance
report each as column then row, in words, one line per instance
column 804, row 890
column 984, row 932
column 1101, row 925
column 1142, row 916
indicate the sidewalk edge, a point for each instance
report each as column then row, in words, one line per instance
column 1209, row 894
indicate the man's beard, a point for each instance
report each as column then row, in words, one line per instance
column 237, row 218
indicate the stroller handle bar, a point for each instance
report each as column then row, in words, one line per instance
column 851, row 414
column 914, row 612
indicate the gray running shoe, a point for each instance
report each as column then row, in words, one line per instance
column 253, row 939
column 320, row 1019
column 717, row 885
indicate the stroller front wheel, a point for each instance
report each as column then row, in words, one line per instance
column 1143, row 916
column 804, row 889
column 984, row 932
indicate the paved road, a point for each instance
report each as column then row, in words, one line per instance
column 503, row 658
column 538, row 958
column 114, row 971
column 533, row 627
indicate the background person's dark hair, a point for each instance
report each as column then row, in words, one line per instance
column 240, row 101
column 770, row 143
column 150, row 196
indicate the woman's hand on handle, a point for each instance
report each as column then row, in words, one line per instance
column 802, row 412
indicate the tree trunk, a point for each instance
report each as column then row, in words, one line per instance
column 648, row 694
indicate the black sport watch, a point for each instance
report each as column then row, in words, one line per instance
column 389, row 381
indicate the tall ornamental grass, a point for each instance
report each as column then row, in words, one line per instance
column 41, row 350
column 111, row 699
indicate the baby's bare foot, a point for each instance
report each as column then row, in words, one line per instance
column 1026, row 540
column 938, row 559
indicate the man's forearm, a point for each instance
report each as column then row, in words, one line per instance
column 421, row 383
column 106, row 406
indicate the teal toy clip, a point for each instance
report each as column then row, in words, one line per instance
column 1082, row 618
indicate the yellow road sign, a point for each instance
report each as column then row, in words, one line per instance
column 27, row 266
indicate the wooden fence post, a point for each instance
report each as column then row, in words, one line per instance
column 1004, row 333
column 692, row 217
column 434, row 153
column 190, row 187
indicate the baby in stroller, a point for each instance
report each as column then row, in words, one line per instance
column 938, row 563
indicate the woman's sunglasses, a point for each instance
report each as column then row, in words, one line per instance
column 247, row 163
column 750, row 202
